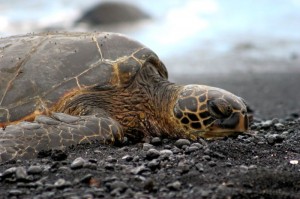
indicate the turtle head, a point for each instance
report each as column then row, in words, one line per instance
column 203, row 111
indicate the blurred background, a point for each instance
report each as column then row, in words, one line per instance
column 249, row 47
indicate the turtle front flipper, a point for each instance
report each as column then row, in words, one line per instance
column 26, row 139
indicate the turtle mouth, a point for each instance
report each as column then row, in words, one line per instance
column 234, row 125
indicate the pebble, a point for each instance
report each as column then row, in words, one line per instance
column 111, row 159
column 139, row 170
column 199, row 167
column 176, row 150
column 15, row 192
column 109, row 166
column 212, row 163
column 166, row 153
column 78, row 163
column 191, row 149
column 156, row 141
column 267, row 124
column 183, row 167
column 90, row 165
column 34, row 169
column 274, row 138
column 153, row 164
column 174, row 185
column 147, row 146
column 128, row 158
column 120, row 185
column 196, row 144
column 279, row 126
column 9, row 172
column 181, row 142
column 275, row 120
column 62, row 183
column 152, row 154
column 206, row 157
column 21, row 173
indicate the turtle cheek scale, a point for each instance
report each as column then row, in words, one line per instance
column 209, row 112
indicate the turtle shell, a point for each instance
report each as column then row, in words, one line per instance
column 37, row 70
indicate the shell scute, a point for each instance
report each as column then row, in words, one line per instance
column 37, row 70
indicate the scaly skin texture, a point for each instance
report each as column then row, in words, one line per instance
column 163, row 108
column 85, row 87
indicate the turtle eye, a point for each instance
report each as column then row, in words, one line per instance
column 219, row 108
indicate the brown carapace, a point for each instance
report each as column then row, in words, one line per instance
column 63, row 89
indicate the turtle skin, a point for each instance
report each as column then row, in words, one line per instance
column 64, row 89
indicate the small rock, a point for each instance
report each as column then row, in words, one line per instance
column 78, row 163
column 111, row 159
column 15, row 192
column 191, row 149
column 64, row 169
column 176, row 150
column 139, row 170
column 207, row 151
column 156, row 141
column 181, row 142
column 147, row 146
column 279, row 126
column 21, row 173
column 152, row 154
column 184, row 168
column 274, row 138
column 206, row 157
column 267, row 124
column 9, row 172
column 166, row 153
column 284, row 133
column 174, row 186
column 252, row 167
column 136, row 158
column 34, row 169
column 62, row 183
column 109, row 166
column 196, row 144
column 294, row 162
column 153, row 164
column 121, row 186
column 228, row 164
column 275, row 120
column 128, row 158
column 244, row 168
column 199, row 167
column 212, row 163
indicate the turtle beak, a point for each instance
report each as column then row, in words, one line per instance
column 244, row 123
column 237, row 124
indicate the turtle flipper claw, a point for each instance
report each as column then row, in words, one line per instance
column 26, row 139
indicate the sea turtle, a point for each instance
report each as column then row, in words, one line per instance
column 63, row 89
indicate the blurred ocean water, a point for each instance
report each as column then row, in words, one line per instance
column 179, row 28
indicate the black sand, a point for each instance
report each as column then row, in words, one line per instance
column 261, row 165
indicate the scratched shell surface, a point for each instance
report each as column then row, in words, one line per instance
column 36, row 70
